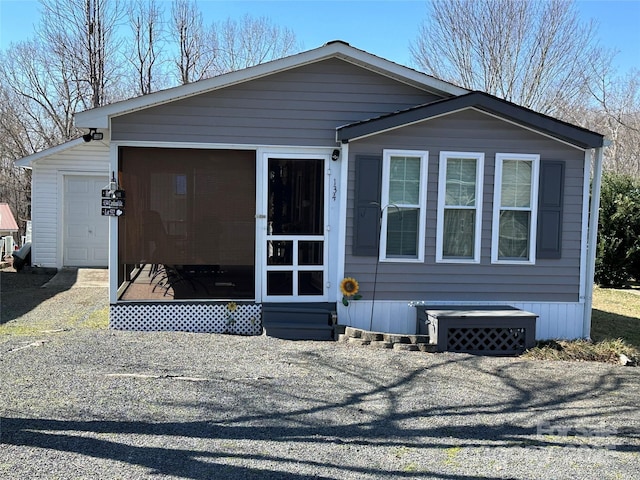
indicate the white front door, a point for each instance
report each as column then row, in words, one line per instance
column 294, row 264
column 85, row 241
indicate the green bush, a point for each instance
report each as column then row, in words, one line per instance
column 618, row 250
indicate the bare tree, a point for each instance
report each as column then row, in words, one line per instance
column 83, row 34
column 532, row 53
column 17, row 141
column 224, row 46
column 617, row 115
column 196, row 44
column 144, row 54
column 15, row 133
column 41, row 96
column 251, row 41
column 77, row 61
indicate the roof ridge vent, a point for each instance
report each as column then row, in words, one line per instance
column 331, row 42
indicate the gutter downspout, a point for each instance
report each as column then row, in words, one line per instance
column 592, row 240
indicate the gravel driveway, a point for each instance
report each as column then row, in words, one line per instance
column 94, row 403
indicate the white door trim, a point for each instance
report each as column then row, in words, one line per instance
column 262, row 158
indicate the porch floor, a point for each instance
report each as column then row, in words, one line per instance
column 166, row 283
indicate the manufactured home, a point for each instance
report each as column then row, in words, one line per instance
column 240, row 202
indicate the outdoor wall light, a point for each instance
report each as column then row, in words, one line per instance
column 335, row 155
column 92, row 135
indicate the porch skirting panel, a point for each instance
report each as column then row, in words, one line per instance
column 240, row 319
column 555, row 320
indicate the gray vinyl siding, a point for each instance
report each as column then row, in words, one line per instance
column 302, row 106
column 555, row 280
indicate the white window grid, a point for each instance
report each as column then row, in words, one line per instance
column 421, row 206
column 442, row 184
column 532, row 208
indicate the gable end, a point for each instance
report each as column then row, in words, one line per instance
column 544, row 124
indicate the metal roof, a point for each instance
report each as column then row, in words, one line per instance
column 545, row 124
column 7, row 222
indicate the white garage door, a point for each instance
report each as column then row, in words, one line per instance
column 85, row 240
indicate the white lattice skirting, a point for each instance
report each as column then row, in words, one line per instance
column 187, row 317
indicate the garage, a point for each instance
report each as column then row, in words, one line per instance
column 85, row 231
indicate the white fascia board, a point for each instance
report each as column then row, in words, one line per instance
column 498, row 117
column 99, row 117
column 27, row 162
column 397, row 127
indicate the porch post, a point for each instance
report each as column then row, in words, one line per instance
column 592, row 242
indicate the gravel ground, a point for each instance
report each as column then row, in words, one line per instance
column 91, row 403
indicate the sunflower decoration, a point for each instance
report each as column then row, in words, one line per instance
column 349, row 287
column 231, row 307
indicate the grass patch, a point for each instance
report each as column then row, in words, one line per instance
column 19, row 330
column 616, row 314
column 98, row 319
column 615, row 330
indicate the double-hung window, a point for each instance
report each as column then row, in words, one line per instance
column 515, row 202
column 404, row 193
column 459, row 207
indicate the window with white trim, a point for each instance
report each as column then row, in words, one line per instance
column 459, row 207
column 515, row 201
column 404, row 189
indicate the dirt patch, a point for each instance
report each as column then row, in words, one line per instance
column 22, row 295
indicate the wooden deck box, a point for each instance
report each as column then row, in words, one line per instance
column 488, row 330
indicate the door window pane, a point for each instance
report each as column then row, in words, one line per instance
column 310, row 283
column 310, row 253
column 279, row 283
column 296, row 197
column 279, row 252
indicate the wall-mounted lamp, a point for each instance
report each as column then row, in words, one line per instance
column 93, row 135
column 113, row 184
column 335, row 155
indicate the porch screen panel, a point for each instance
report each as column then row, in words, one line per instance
column 187, row 207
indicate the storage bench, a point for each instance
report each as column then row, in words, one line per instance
column 489, row 330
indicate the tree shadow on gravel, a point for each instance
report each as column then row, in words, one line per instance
column 380, row 413
column 202, row 464
column 22, row 292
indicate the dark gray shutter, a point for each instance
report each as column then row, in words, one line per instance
column 550, row 200
column 366, row 220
